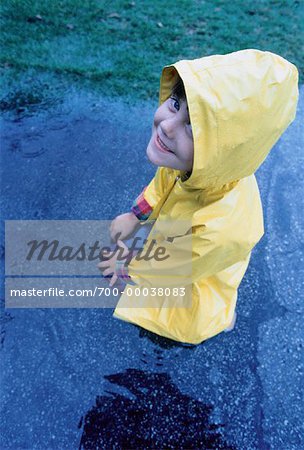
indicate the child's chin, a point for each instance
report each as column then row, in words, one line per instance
column 151, row 157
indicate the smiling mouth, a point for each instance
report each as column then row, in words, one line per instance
column 161, row 145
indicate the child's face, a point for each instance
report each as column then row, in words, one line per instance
column 171, row 143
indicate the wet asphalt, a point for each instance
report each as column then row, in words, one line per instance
column 78, row 378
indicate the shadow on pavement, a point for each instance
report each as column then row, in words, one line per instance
column 156, row 415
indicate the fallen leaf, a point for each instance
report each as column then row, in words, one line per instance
column 114, row 15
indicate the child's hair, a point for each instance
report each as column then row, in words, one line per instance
column 179, row 89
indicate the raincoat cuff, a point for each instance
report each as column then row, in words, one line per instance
column 141, row 207
column 121, row 271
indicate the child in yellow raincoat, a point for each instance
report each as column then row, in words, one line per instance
column 217, row 120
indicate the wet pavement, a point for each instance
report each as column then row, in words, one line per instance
column 78, row 378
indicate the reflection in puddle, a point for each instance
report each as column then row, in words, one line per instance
column 156, row 415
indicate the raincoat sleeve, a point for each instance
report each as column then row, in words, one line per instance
column 199, row 254
column 141, row 208
column 151, row 195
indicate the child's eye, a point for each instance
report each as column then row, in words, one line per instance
column 175, row 103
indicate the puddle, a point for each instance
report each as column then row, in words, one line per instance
column 157, row 416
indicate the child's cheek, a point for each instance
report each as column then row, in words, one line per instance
column 155, row 121
column 158, row 116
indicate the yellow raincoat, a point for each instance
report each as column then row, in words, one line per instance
column 239, row 106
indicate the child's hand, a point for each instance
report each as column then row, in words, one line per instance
column 122, row 226
column 110, row 263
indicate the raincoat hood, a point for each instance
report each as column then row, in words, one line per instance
column 239, row 106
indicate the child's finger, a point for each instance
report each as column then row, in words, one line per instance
column 123, row 245
column 113, row 280
column 102, row 264
column 107, row 271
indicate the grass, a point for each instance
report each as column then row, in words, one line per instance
column 119, row 47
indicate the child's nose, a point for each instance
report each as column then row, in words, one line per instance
column 167, row 126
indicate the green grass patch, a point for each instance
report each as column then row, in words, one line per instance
column 119, row 47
